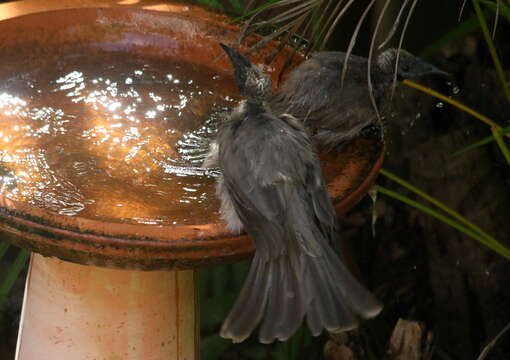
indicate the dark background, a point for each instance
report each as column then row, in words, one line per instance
column 419, row 268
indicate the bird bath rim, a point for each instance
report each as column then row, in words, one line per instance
column 143, row 246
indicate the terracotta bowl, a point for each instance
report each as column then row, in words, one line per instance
column 183, row 33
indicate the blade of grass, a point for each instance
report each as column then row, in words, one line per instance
column 440, row 205
column 396, row 24
column 496, row 18
column 12, row 274
column 289, row 14
column 502, row 145
column 484, row 141
column 319, row 32
column 465, row 230
column 317, row 19
column 458, row 32
column 455, row 103
column 3, row 248
column 492, row 343
column 269, row 37
column 504, row 9
column 330, row 28
column 492, row 49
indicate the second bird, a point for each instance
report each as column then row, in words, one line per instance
column 272, row 185
column 335, row 112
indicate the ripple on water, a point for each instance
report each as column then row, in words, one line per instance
column 112, row 137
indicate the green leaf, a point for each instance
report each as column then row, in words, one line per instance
column 502, row 145
column 496, row 247
column 4, row 246
column 435, row 202
column 503, row 9
column 484, row 141
column 12, row 274
column 492, row 49
column 211, row 347
column 453, row 102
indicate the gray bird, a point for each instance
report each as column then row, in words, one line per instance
column 335, row 112
column 271, row 184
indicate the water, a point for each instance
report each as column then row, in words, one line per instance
column 112, row 137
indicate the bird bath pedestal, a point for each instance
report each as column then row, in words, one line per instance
column 99, row 288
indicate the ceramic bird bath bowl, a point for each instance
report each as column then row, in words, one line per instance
column 106, row 110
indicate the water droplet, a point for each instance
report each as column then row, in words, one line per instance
column 373, row 195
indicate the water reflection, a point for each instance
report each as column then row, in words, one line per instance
column 110, row 137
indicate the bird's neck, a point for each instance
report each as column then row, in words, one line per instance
column 256, row 105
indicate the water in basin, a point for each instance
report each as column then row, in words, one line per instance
column 112, row 137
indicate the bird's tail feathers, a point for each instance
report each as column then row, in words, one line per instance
column 337, row 301
column 272, row 291
column 283, row 290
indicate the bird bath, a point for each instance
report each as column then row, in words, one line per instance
column 106, row 109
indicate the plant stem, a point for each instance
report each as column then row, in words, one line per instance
column 488, row 239
column 492, row 48
column 3, row 248
column 436, row 203
column 502, row 145
column 498, row 248
column 455, row 103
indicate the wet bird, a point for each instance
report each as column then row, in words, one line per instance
column 335, row 111
column 272, row 186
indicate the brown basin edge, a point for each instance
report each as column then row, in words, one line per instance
column 140, row 246
column 131, row 251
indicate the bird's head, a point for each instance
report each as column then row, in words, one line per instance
column 252, row 82
column 409, row 66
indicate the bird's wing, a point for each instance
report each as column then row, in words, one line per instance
column 274, row 178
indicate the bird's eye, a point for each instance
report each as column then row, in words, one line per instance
column 406, row 67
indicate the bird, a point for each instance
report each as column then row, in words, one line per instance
column 335, row 109
column 271, row 186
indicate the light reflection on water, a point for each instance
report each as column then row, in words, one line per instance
column 112, row 138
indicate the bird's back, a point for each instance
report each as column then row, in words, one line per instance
column 271, row 169
column 315, row 93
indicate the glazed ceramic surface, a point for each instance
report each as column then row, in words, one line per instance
column 40, row 34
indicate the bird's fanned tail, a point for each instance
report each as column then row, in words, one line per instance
column 272, row 292
column 284, row 290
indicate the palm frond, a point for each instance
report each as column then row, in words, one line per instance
column 462, row 9
column 313, row 20
column 354, row 37
column 401, row 42
column 498, row 6
column 371, row 54
column 395, row 26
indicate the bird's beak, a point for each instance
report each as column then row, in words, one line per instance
column 240, row 62
column 425, row 69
